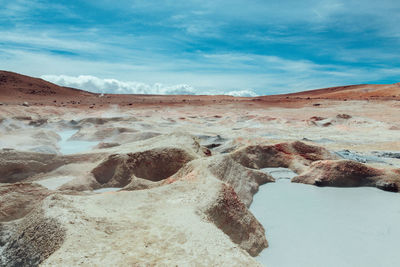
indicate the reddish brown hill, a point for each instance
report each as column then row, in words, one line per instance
column 14, row 86
column 353, row 92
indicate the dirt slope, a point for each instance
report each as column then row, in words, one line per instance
column 354, row 92
column 14, row 86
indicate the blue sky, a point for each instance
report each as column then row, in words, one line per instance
column 201, row 47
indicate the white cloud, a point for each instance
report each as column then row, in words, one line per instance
column 241, row 93
column 98, row 85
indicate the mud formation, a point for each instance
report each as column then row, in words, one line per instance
column 169, row 179
column 296, row 156
column 346, row 173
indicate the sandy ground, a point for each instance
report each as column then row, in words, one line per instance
column 188, row 167
column 370, row 126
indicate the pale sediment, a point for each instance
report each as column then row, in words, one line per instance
column 171, row 188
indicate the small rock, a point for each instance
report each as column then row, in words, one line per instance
column 38, row 122
column 387, row 186
column 343, row 116
column 394, row 155
column 318, row 182
column 25, row 104
column 103, row 145
column 317, row 118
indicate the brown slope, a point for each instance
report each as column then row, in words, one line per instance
column 353, row 92
column 14, row 86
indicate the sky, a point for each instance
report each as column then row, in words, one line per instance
column 236, row 47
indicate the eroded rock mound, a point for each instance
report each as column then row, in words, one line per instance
column 233, row 218
column 245, row 181
column 296, row 156
column 35, row 238
column 154, row 160
column 347, row 173
column 17, row 200
column 16, row 166
column 153, row 165
column 140, row 184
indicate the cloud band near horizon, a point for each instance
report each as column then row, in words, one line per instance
column 113, row 86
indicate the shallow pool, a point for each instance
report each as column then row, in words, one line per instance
column 107, row 189
column 55, row 182
column 324, row 226
column 73, row 146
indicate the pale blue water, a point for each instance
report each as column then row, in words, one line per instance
column 55, row 182
column 73, row 146
column 310, row 226
column 107, row 189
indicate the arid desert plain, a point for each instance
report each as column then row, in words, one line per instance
column 305, row 179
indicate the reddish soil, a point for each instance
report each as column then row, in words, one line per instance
column 353, row 92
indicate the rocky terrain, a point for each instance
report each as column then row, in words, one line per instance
column 101, row 180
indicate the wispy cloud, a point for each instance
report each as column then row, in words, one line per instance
column 47, row 40
column 261, row 46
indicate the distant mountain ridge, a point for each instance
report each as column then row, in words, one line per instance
column 14, row 86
